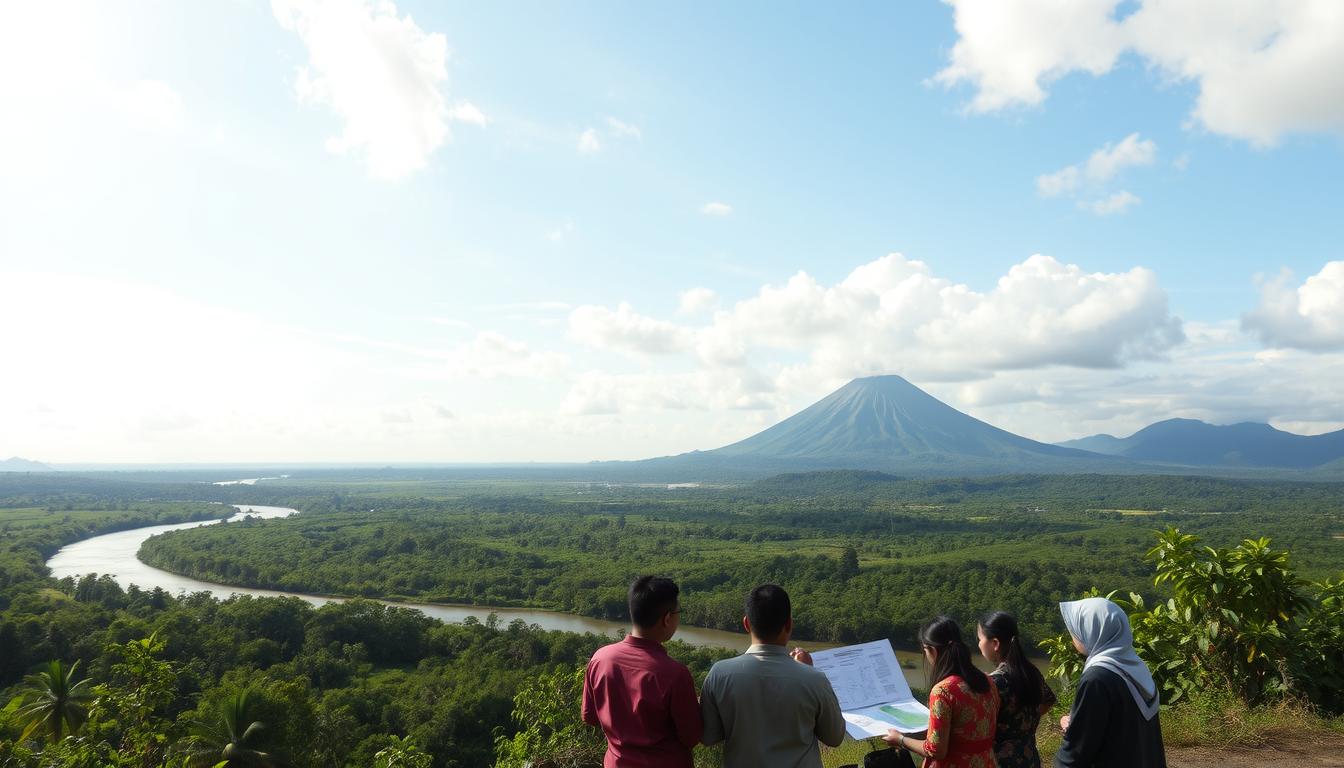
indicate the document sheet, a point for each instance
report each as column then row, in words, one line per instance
column 872, row 690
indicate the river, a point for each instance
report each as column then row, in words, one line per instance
column 114, row 554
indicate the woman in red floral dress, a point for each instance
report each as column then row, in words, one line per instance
column 963, row 704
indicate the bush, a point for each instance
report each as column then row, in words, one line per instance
column 1239, row 620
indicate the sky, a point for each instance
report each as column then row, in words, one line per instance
column 359, row 231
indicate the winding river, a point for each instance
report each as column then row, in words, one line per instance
column 114, row 554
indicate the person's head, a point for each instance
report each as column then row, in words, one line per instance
column 654, row 607
column 1096, row 623
column 1001, row 643
column 946, row 654
column 769, row 616
column 1100, row 630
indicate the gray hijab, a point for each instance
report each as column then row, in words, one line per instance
column 1103, row 629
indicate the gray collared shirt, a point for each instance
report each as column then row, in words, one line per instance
column 769, row 710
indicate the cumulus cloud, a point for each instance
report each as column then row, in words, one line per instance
column 697, row 300
column 466, row 112
column 589, row 143
column 1111, row 204
column 895, row 314
column 1008, row 53
column 716, row 209
column 1267, row 69
column 1309, row 316
column 626, row 330
column 1217, row 376
column 380, row 73
column 1100, row 167
column 623, row 130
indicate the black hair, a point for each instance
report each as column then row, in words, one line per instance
column 953, row 657
column 768, row 610
column 652, row 598
column 1024, row 680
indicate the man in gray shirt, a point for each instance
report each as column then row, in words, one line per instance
column 769, row 706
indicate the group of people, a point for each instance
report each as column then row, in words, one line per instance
column 769, row 707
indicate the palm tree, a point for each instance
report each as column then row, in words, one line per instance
column 229, row 741
column 54, row 702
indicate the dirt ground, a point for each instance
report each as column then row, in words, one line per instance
column 1328, row 751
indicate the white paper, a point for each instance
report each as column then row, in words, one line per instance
column 872, row 689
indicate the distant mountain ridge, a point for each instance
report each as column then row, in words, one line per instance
column 1197, row 443
column 16, row 464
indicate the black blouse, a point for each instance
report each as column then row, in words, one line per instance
column 1106, row 728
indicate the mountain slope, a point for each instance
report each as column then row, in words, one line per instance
column 1197, row 443
column 881, row 423
column 885, row 417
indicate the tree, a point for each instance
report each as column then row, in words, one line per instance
column 402, row 754
column 55, row 704
column 552, row 734
column 230, row 742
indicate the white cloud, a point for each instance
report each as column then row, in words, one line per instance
column 1269, row 68
column 588, row 142
column 697, row 300
column 1111, row 204
column 623, row 130
column 716, row 209
column 1101, row 166
column 379, row 72
column 1309, row 316
column 466, row 112
column 492, row 355
column 1008, row 49
column 153, row 106
column 895, row 314
column 1216, row 376
column 625, row 330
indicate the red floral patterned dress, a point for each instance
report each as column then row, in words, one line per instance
column 963, row 720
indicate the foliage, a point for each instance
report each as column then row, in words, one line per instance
column 340, row 684
column 231, row 740
column 1239, row 620
column 55, row 703
column 401, row 754
column 551, row 734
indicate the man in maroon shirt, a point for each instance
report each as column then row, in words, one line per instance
column 643, row 700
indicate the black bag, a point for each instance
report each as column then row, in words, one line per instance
column 888, row 758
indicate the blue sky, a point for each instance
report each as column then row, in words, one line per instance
column 350, row 231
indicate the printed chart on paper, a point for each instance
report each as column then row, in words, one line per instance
column 872, row 690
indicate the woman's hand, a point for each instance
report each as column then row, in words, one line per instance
column 801, row 656
column 1064, row 723
column 893, row 738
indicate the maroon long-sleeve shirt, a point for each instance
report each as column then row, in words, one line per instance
column 645, row 703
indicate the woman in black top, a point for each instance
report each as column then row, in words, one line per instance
column 1023, row 694
column 1114, row 721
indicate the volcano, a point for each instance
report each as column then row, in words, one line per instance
column 886, row 423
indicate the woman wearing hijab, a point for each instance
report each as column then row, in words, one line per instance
column 1114, row 719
